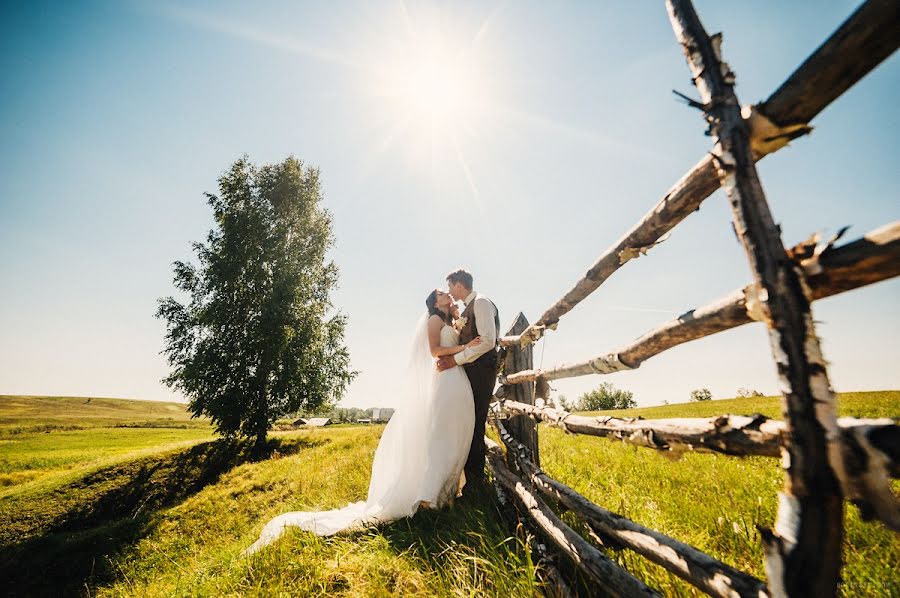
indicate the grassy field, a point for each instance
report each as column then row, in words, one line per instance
column 881, row 403
column 714, row 502
column 145, row 515
column 49, row 437
column 20, row 414
column 110, row 514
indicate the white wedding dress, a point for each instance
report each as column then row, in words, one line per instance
column 420, row 456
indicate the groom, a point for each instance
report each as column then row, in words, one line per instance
column 480, row 318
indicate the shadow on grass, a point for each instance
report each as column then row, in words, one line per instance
column 481, row 544
column 469, row 545
column 57, row 543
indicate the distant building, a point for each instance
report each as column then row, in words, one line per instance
column 364, row 420
column 381, row 414
column 318, row 421
column 298, row 422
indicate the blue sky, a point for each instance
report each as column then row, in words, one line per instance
column 546, row 130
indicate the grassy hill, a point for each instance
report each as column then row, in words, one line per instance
column 42, row 414
column 879, row 403
column 170, row 519
column 66, row 436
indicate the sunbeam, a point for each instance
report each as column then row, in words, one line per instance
column 432, row 79
column 461, row 159
column 213, row 22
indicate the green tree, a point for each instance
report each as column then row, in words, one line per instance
column 701, row 394
column 563, row 403
column 258, row 337
column 605, row 397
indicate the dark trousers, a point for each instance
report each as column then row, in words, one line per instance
column 482, row 377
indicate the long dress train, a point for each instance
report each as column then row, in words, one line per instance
column 419, row 458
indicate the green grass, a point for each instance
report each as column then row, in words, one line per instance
column 453, row 552
column 23, row 414
column 32, row 456
column 157, row 512
column 47, row 437
column 171, row 520
column 714, row 502
column 881, row 403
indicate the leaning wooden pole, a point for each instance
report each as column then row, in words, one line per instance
column 860, row 44
column 869, row 36
column 803, row 555
column 873, row 258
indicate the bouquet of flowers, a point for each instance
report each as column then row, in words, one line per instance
column 458, row 323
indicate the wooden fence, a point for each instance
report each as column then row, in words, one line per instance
column 826, row 459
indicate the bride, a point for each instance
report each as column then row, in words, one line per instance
column 420, row 457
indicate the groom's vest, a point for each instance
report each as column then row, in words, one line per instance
column 470, row 331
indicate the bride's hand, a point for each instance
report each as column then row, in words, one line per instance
column 474, row 342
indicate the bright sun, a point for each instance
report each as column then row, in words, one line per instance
column 432, row 91
column 432, row 88
column 436, row 88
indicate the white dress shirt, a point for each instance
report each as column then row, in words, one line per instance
column 485, row 324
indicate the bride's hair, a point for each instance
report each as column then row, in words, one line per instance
column 431, row 304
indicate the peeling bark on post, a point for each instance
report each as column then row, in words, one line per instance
column 871, row 259
column 872, row 458
column 803, row 555
column 698, row 568
column 615, row 580
column 517, row 359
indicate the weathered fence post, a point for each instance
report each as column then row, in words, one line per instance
column 521, row 427
column 803, row 555
column 825, row 461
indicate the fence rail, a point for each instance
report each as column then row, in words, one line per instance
column 860, row 44
column 873, row 258
column 827, row 460
column 871, row 446
column 700, row 569
column 598, row 566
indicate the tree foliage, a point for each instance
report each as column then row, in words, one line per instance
column 701, row 394
column 352, row 414
column 561, row 401
column 605, row 397
column 746, row 393
column 258, row 337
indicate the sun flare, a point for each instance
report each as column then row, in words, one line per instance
column 436, row 89
column 431, row 85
